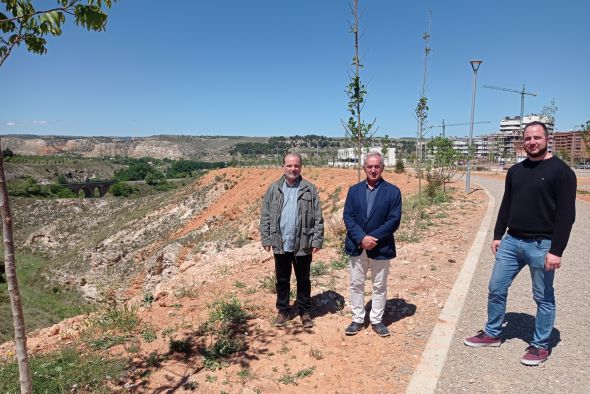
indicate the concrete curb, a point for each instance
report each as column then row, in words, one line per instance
column 427, row 373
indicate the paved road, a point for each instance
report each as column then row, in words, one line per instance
column 498, row 370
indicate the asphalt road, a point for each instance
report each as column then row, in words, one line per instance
column 498, row 370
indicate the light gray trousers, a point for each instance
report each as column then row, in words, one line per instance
column 359, row 266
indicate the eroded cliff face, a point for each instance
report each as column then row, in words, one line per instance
column 159, row 147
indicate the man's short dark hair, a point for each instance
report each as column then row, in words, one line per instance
column 293, row 154
column 537, row 123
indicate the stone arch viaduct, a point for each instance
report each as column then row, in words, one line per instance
column 89, row 186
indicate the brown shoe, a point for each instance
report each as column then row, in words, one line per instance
column 306, row 321
column 281, row 320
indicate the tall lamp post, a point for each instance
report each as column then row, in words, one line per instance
column 475, row 66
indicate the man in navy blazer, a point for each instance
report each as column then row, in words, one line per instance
column 372, row 213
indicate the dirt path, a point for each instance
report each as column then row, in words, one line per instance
column 498, row 370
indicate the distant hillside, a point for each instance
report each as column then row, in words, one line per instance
column 203, row 148
column 200, row 148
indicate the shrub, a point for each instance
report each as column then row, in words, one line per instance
column 61, row 179
column 155, row 178
column 6, row 153
column 269, row 283
column 179, row 346
column 27, row 187
column 153, row 360
column 399, row 166
column 226, row 322
column 62, row 192
column 122, row 189
column 319, row 268
column 434, row 185
column 341, row 263
column 228, row 312
column 120, row 319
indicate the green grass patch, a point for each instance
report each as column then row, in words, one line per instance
column 44, row 303
column 268, row 282
column 104, row 342
column 341, row 263
column 65, row 371
column 149, row 334
column 289, row 378
column 123, row 319
column 319, row 268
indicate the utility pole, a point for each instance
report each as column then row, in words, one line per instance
column 318, row 153
column 474, row 66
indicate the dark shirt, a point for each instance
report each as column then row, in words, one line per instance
column 539, row 202
column 370, row 195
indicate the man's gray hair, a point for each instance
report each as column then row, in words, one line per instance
column 374, row 154
column 293, row 154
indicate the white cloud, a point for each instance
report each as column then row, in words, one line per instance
column 10, row 124
column 39, row 122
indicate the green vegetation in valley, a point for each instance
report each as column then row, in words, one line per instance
column 28, row 187
column 44, row 304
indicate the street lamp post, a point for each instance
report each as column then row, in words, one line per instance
column 475, row 66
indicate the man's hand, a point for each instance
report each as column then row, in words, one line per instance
column 495, row 245
column 368, row 242
column 314, row 250
column 552, row 262
column 267, row 248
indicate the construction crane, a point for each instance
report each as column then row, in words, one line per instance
column 445, row 125
column 522, row 93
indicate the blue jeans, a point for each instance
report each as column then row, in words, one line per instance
column 512, row 255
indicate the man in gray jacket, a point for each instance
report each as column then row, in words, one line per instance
column 291, row 223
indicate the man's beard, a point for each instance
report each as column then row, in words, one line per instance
column 540, row 153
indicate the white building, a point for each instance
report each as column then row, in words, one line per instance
column 511, row 125
column 347, row 157
column 507, row 144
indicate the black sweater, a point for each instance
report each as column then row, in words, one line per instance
column 539, row 201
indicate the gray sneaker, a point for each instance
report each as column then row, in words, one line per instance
column 380, row 329
column 354, row 328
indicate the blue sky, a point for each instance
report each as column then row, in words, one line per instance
column 269, row 68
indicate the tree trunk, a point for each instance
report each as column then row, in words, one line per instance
column 357, row 76
column 20, row 333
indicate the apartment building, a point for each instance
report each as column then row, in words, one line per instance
column 570, row 145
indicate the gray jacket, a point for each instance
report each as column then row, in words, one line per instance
column 310, row 222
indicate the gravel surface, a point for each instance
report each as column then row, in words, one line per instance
column 498, row 370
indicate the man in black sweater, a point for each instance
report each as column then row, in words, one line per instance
column 538, row 209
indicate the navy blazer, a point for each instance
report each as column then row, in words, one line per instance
column 381, row 222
